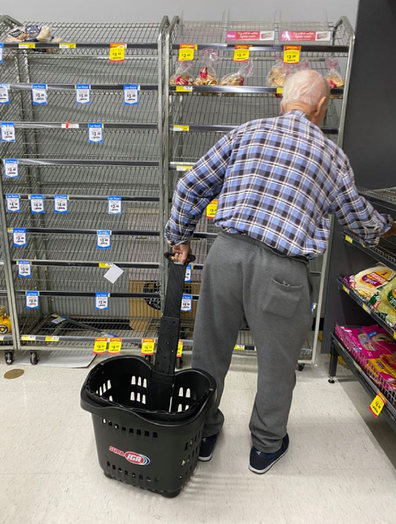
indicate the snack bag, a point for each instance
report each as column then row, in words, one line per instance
column 384, row 302
column 333, row 76
column 367, row 282
column 207, row 73
column 380, row 340
column 182, row 75
column 238, row 79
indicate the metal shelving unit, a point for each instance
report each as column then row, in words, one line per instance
column 197, row 116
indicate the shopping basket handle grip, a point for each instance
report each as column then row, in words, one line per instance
column 169, row 256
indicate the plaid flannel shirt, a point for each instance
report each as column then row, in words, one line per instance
column 277, row 180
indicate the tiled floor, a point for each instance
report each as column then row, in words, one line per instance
column 340, row 468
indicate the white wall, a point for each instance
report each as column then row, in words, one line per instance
column 146, row 10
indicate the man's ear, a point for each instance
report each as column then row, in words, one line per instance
column 282, row 108
column 320, row 106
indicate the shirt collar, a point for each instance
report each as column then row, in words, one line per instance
column 297, row 112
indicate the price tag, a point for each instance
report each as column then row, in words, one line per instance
column 104, row 241
column 19, row 236
column 83, row 94
column 345, row 289
column 241, row 53
column 239, row 347
column 184, row 89
column 37, row 203
column 148, row 346
column 104, row 265
column 188, row 276
column 102, row 300
column 10, row 167
column 39, row 93
column 13, row 203
column 291, row 54
column 183, row 168
column 1, row 336
column 186, row 304
column 117, row 52
column 211, row 209
column 279, row 90
column 58, row 319
column 61, row 203
column 27, row 45
column 7, row 132
column 4, row 94
column 24, row 268
column 28, row 338
column 1, row 52
column 100, row 345
column 52, row 339
column 32, row 299
column 179, row 349
column 181, row 128
column 114, row 205
column 377, row 404
column 115, row 345
column 67, row 45
column 95, row 133
column 366, row 309
column 348, row 239
column 131, row 94
column 186, row 52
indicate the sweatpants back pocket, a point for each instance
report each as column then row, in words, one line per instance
column 282, row 299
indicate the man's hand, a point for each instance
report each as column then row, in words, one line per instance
column 181, row 252
column 391, row 232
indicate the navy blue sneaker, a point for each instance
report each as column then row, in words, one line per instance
column 206, row 449
column 262, row 462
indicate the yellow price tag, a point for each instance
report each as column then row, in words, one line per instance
column 1, row 338
column 345, row 289
column 241, row 53
column 184, row 89
column 67, row 45
column 52, row 339
column 183, row 168
column 100, row 345
column 181, row 128
column 394, row 334
column 366, row 308
column 186, row 52
column 279, row 90
column 240, row 347
column 148, row 346
column 377, row 404
column 27, row 45
column 179, row 349
column 348, row 239
column 115, row 345
column 211, row 209
column 104, row 265
column 117, row 52
column 30, row 338
column 291, row 54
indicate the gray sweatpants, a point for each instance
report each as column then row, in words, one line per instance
column 244, row 281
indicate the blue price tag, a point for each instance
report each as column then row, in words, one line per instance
column 131, row 94
column 186, row 304
column 19, row 236
column 37, row 203
column 102, row 300
column 7, row 132
column 13, row 203
column 1, row 52
column 104, row 241
column 188, row 276
column 61, row 203
column 114, row 205
column 4, row 94
column 24, row 268
column 11, row 168
column 32, row 299
column 83, row 94
column 39, row 94
column 95, row 133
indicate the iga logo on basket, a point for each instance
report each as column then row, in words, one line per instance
column 131, row 456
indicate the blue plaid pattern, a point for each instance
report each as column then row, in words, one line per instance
column 277, row 180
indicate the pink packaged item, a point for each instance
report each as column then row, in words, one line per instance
column 380, row 339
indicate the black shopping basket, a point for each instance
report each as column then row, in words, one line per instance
column 147, row 419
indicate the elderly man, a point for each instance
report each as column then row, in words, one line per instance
column 277, row 181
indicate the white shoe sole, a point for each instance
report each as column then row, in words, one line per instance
column 262, row 471
column 205, row 459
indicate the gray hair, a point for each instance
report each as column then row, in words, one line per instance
column 306, row 86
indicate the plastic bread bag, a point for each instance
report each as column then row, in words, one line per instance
column 238, row 79
column 277, row 74
column 207, row 72
column 333, row 76
column 33, row 33
column 367, row 282
column 183, row 74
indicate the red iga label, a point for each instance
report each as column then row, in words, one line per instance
column 131, row 456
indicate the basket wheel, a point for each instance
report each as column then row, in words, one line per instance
column 9, row 357
column 34, row 358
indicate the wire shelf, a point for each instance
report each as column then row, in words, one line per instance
column 118, row 144
column 385, row 251
column 387, row 195
column 105, row 106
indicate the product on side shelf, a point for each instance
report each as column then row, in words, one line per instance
column 207, row 72
column 183, row 74
column 367, row 282
column 5, row 322
column 384, row 302
column 280, row 71
column 33, row 33
column 333, row 76
column 238, row 79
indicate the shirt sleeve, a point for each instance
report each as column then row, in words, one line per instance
column 195, row 190
column 354, row 212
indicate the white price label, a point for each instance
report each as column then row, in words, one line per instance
column 95, row 133
column 4, row 94
column 188, row 276
column 104, row 241
column 10, row 167
column 58, row 319
column 83, row 94
column 131, row 94
column 7, row 132
column 61, row 203
column 37, row 203
column 32, row 299
column 101, row 300
column 114, row 205
column 24, row 268
column 1, row 52
column 186, row 304
column 19, row 236
column 39, row 94
column 13, row 203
